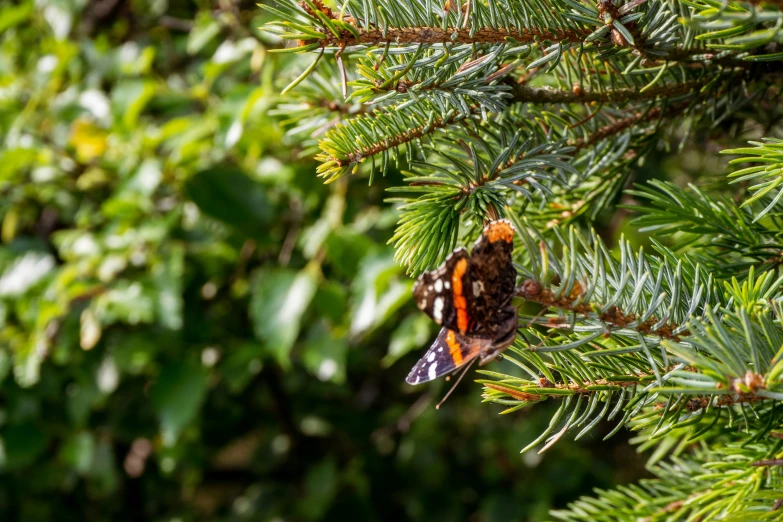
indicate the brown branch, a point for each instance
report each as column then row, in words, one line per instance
column 448, row 35
column 525, row 94
column 532, row 291
column 744, row 388
column 373, row 35
column 522, row 93
column 769, row 462
column 618, row 127
column 584, row 389
column 589, row 387
column 699, row 403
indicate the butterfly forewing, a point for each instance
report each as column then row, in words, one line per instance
column 440, row 293
column 492, row 274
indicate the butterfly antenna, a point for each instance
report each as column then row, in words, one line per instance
column 454, row 386
column 537, row 317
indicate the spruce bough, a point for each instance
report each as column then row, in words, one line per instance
column 540, row 111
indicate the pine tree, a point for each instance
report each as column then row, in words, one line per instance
column 540, row 111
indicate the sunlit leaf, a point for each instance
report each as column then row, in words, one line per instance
column 177, row 396
column 279, row 299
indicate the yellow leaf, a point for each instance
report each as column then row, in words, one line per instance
column 10, row 223
column 88, row 140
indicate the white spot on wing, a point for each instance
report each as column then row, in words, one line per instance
column 478, row 287
column 447, row 285
column 437, row 310
column 431, row 373
column 431, row 357
column 438, row 286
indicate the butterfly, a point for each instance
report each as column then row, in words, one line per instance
column 470, row 296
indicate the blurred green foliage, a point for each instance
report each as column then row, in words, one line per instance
column 194, row 327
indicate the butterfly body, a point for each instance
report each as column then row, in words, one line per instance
column 470, row 296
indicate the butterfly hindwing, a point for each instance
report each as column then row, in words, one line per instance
column 450, row 351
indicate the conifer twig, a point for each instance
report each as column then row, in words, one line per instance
column 448, row 35
column 533, row 291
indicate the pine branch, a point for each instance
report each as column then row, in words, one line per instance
column 624, row 124
column 479, row 170
column 614, row 317
column 350, row 143
column 630, row 293
column 725, row 357
column 428, row 35
column 560, row 390
column 723, row 236
column 719, row 483
column 746, row 27
column 525, row 94
column 770, row 154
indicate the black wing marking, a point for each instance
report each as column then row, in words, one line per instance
column 450, row 351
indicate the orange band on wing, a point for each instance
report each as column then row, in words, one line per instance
column 454, row 349
column 459, row 299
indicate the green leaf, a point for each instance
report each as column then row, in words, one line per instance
column 241, row 364
column 229, row 195
column 279, row 299
column 24, row 272
column 379, row 290
column 320, row 488
column 177, row 396
column 330, row 301
column 78, row 452
column 168, row 277
column 205, row 30
column 14, row 15
column 324, row 355
column 129, row 99
column 13, row 164
column 345, row 249
column 126, row 302
column 104, row 474
column 21, row 445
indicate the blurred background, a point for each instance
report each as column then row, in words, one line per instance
column 194, row 327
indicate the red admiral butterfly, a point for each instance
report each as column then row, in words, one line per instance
column 470, row 295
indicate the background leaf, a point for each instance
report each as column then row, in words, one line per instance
column 229, row 195
column 279, row 300
column 177, row 396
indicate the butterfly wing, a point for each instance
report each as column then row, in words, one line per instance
column 440, row 293
column 504, row 336
column 491, row 272
column 467, row 292
column 450, row 351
